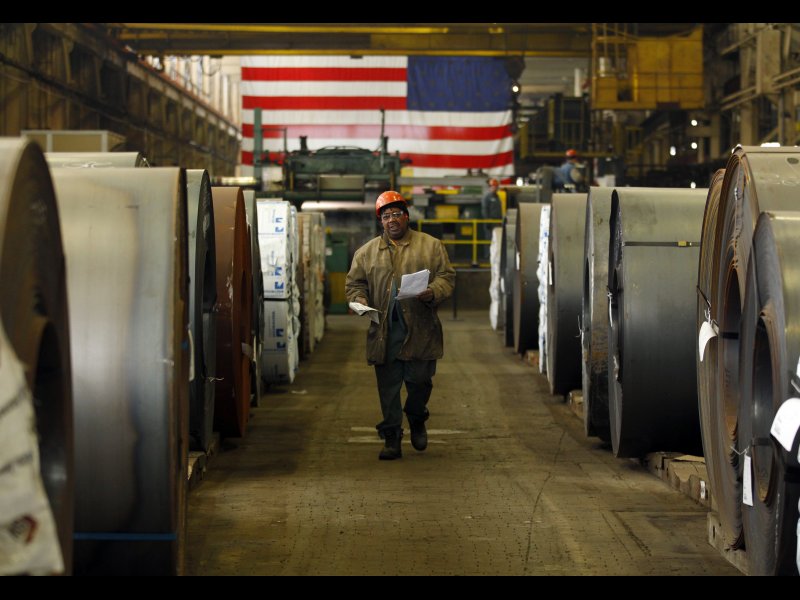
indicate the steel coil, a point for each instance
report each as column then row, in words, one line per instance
column 95, row 160
column 33, row 309
column 594, row 314
column 525, row 291
column 508, row 265
column 770, row 349
column 565, row 291
column 125, row 240
column 234, row 310
column 755, row 179
column 202, row 300
column 652, row 272
column 257, row 323
column 724, row 478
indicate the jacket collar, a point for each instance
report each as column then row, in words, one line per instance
column 403, row 241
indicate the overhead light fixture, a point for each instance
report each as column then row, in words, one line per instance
column 694, row 122
column 520, row 181
column 693, row 185
column 771, row 145
column 694, row 145
column 672, row 151
column 515, row 88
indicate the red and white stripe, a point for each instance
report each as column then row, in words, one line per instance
column 335, row 101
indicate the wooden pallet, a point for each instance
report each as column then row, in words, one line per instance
column 738, row 558
column 198, row 462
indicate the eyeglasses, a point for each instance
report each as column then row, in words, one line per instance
column 387, row 216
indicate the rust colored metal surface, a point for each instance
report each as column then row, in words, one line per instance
column 234, row 312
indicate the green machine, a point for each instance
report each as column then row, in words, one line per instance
column 331, row 173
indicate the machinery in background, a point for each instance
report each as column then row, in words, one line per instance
column 345, row 173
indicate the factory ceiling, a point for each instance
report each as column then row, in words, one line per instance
column 564, row 40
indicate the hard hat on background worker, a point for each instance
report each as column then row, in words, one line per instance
column 572, row 153
column 390, row 197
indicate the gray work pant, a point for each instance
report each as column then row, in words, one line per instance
column 417, row 375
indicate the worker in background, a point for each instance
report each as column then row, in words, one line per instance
column 405, row 345
column 570, row 176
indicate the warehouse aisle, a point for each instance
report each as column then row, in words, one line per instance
column 509, row 485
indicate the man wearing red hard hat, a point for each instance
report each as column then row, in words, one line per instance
column 405, row 345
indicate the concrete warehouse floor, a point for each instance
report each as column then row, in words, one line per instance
column 509, row 484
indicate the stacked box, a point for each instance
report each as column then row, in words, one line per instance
column 279, row 247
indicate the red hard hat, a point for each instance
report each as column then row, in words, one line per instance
column 571, row 153
column 386, row 198
column 494, row 182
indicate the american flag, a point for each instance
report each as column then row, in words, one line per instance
column 446, row 114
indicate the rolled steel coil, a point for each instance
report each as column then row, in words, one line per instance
column 594, row 314
column 652, row 272
column 770, row 349
column 722, row 465
column 526, row 292
column 202, row 300
column 33, row 309
column 756, row 179
column 95, row 160
column 257, row 323
column 125, row 240
column 565, row 291
column 234, row 312
column 508, row 265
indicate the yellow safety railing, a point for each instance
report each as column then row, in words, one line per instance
column 475, row 240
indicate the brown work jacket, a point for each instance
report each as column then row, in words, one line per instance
column 374, row 266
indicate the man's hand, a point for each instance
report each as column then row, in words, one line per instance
column 362, row 300
column 425, row 296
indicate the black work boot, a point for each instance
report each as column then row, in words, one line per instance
column 419, row 435
column 391, row 448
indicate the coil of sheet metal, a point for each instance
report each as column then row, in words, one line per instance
column 723, row 473
column 770, row 349
column 257, row 323
column 234, row 310
column 526, row 293
column 33, row 309
column 756, row 179
column 508, row 265
column 95, row 160
column 202, row 299
column 565, row 291
column 125, row 240
column 594, row 314
column 652, row 275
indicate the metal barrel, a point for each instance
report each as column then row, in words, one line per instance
column 770, row 349
column 234, row 310
column 756, row 179
column 33, row 310
column 652, row 273
column 526, row 294
column 594, row 314
column 565, row 291
column 508, row 262
column 95, row 160
column 202, row 300
column 125, row 240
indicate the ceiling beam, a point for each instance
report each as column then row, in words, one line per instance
column 465, row 39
